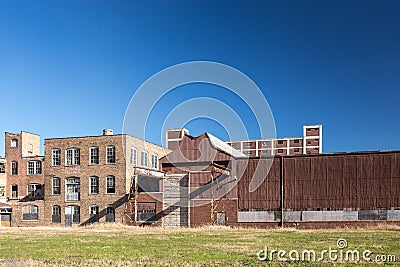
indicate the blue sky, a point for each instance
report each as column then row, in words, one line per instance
column 70, row 68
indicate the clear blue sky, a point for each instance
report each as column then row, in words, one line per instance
column 69, row 68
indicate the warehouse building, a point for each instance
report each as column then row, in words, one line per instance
column 309, row 143
column 304, row 190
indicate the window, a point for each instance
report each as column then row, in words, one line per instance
column 154, row 161
column 14, row 168
column 248, row 152
column 30, row 213
column 110, row 185
column 264, row 152
column 72, row 156
column 280, row 150
column 133, row 156
column 94, row 213
column 2, row 167
column 248, row 144
column 34, row 167
column 94, row 155
column 35, row 190
column 296, row 150
column 309, row 142
column 56, row 214
column 56, row 186
column 94, row 185
column 296, row 141
column 145, row 160
column 264, row 143
column 14, row 191
column 2, row 190
column 56, row 157
column 233, row 145
column 110, row 214
column 308, row 129
column 146, row 212
column 316, row 148
column 14, row 142
column 110, row 154
column 73, row 189
column 280, row 142
column 72, row 215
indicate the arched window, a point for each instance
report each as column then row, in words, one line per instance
column 14, row 168
column 30, row 213
column 94, row 185
column 110, row 154
column 56, row 214
column 72, row 189
column 110, row 184
column 94, row 213
column 110, row 214
column 154, row 161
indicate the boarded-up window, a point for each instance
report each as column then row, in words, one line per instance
column 148, row 184
column 146, row 211
column 110, row 214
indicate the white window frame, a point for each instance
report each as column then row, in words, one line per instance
column 95, row 208
column 34, row 167
column 91, row 185
column 94, row 148
column 75, row 156
column 75, row 184
column 14, row 167
column 14, row 142
column 32, row 209
column 52, row 186
column 144, row 159
column 154, row 161
column 34, row 186
column 112, row 156
column 133, row 156
column 55, row 154
column 114, row 183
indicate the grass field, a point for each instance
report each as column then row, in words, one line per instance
column 118, row 245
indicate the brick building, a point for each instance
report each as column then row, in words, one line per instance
column 3, row 180
column 24, row 178
column 309, row 143
column 89, row 178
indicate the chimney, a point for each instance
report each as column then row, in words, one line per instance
column 108, row 132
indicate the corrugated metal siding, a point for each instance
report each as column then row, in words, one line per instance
column 267, row 195
column 326, row 181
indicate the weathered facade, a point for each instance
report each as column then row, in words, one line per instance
column 323, row 189
column 89, row 178
column 309, row 143
column 24, row 178
column 196, row 181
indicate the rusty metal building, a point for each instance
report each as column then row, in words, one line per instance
column 303, row 189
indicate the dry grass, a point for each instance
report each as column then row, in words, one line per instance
column 121, row 245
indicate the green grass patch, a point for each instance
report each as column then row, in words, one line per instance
column 119, row 245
